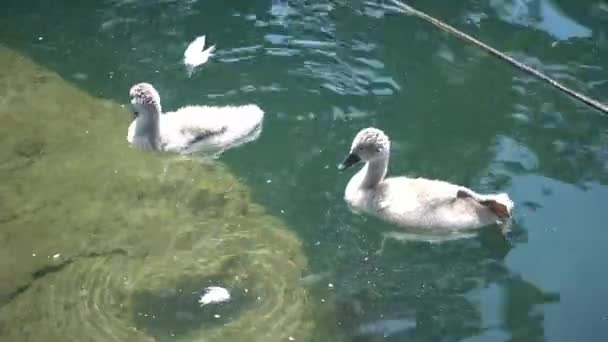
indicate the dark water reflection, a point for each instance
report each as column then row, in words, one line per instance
column 324, row 69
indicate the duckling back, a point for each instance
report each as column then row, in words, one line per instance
column 424, row 204
column 227, row 126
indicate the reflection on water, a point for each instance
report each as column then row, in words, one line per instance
column 541, row 14
column 279, row 8
column 385, row 327
column 150, row 232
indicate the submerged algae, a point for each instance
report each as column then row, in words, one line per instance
column 100, row 242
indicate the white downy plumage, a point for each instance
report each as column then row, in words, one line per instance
column 214, row 295
column 192, row 129
column 196, row 54
column 418, row 204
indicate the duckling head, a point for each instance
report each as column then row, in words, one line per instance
column 144, row 98
column 369, row 144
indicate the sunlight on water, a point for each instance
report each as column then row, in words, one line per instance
column 543, row 15
column 102, row 242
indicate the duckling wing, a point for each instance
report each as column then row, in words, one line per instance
column 212, row 129
column 416, row 202
column 181, row 130
column 194, row 133
column 398, row 195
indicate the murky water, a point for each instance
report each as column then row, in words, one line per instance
column 101, row 242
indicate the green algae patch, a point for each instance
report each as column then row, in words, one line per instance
column 101, row 242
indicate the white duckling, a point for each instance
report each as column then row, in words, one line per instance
column 421, row 204
column 192, row 128
column 196, row 54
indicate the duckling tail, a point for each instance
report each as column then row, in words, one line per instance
column 499, row 204
column 499, row 209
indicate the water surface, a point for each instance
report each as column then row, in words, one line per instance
column 321, row 70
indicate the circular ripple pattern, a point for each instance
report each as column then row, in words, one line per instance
column 120, row 298
column 153, row 295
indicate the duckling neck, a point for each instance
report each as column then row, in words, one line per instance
column 374, row 172
column 147, row 130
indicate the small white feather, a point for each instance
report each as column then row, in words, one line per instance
column 196, row 54
column 214, row 295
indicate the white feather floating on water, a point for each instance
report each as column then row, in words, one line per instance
column 214, row 295
column 196, row 54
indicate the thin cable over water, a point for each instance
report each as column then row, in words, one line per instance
column 403, row 8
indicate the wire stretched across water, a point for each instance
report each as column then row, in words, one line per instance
column 407, row 9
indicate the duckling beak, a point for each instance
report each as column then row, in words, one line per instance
column 349, row 161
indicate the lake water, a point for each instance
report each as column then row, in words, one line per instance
column 104, row 243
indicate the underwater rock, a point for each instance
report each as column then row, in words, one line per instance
column 81, row 193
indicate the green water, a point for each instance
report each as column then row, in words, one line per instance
column 101, row 242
